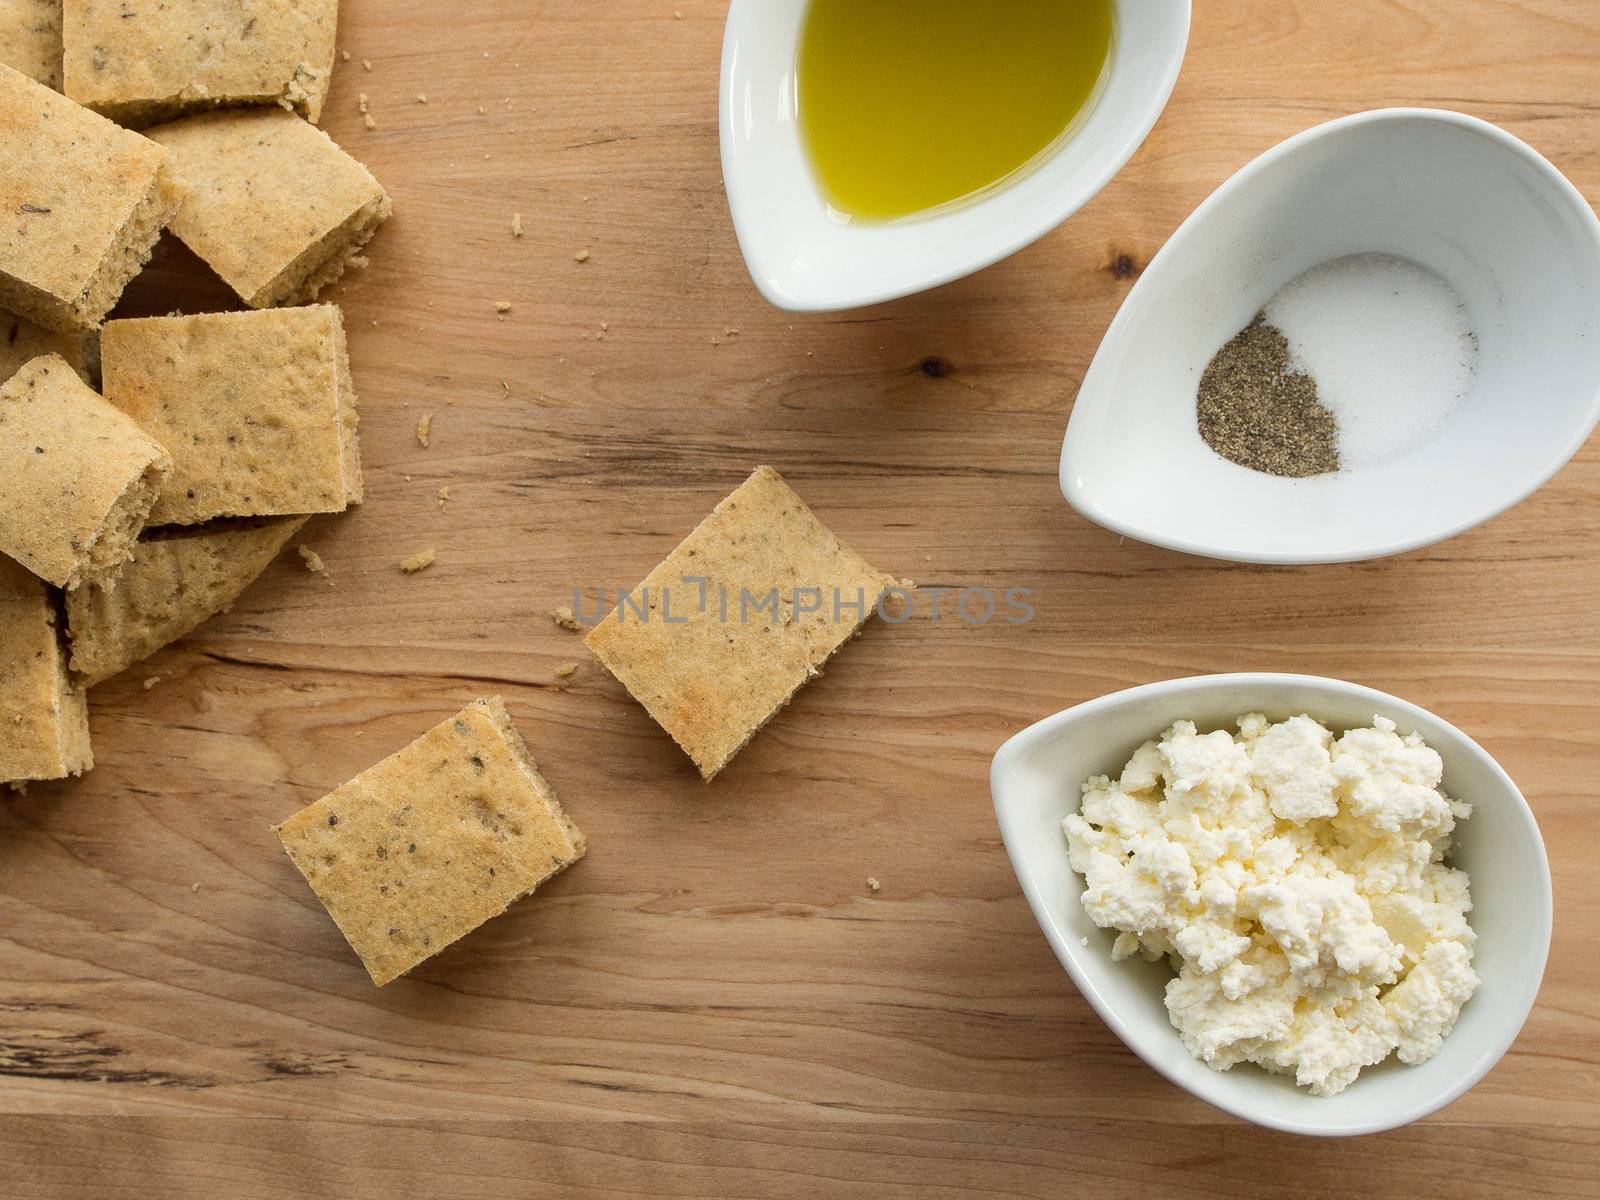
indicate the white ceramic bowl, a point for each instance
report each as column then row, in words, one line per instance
column 1036, row 780
column 806, row 260
column 1453, row 193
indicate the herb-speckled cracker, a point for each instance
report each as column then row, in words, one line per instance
column 270, row 202
column 257, row 409
column 713, row 674
column 44, row 722
column 77, row 477
column 175, row 581
column 433, row 841
column 146, row 60
column 21, row 341
column 81, row 204
column 30, row 38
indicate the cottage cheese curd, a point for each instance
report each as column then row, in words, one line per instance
column 1296, row 881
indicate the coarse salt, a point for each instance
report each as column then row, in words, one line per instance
column 1390, row 346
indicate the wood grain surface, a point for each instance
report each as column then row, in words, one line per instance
column 713, row 1003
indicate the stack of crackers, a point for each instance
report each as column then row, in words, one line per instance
column 151, row 469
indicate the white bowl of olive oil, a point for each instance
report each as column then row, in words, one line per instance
column 873, row 150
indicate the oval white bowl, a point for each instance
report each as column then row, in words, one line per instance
column 1458, row 195
column 1036, row 779
column 805, row 259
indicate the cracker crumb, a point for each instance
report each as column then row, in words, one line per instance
column 502, row 306
column 366, row 64
column 516, row 225
column 371, row 123
column 194, row 887
column 581, row 256
column 563, row 616
column 312, row 560
column 873, row 884
column 444, row 494
column 420, row 561
column 151, row 682
column 422, row 97
column 344, row 56
column 424, row 428
column 567, row 670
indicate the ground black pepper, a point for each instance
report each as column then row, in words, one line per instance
column 1256, row 411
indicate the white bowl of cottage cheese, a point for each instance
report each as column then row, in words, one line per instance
column 1311, row 904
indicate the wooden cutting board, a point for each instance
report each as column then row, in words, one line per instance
column 714, row 1003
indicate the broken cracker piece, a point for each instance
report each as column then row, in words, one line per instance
column 565, row 617
column 420, row 561
column 257, row 408
column 713, row 661
column 271, row 203
column 175, row 582
column 44, row 717
column 22, row 341
column 144, row 62
column 84, row 203
column 77, row 477
column 423, row 848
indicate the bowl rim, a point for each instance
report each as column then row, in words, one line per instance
column 1445, row 118
column 1020, row 744
column 747, row 212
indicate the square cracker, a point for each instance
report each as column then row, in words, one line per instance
column 257, row 409
column 140, row 61
column 421, row 849
column 176, row 581
column 275, row 207
column 30, row 39
column 44, row 718
column 77, row 477
column 81, row 205
column 712, row 674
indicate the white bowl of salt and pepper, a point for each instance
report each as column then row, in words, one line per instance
column 1380, row 334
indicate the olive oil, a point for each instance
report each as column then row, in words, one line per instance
column 911, row 105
